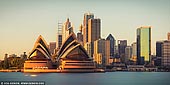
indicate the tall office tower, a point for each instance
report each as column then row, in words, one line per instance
column 166, row 53
column 159, row 48
column 121, row 47
column 52, row 47
column 80, row 35
column 168, row 35
column 143, row 45
column 94, row 29
column 134, row 52
column 87, row 16
column 112, row 45
column 158, row 53
column 128, row 54
column 59, row 36
column 67, row 30
column 101, row 52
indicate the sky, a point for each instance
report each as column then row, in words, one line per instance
column 22, row 21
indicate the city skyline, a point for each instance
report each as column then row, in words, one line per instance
column 21, row 22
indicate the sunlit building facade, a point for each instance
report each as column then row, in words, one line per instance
column 66, row 30
column 39, row 57
column 143, row 45
column 101, row 52
column 168, row 35
column 94, row 29
column 87, row 16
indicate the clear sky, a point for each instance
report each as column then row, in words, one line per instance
column 22, row 21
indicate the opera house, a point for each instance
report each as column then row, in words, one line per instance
column 71, row 57
column 39, row 58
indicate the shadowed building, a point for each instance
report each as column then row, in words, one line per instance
column 121, row 48
column 72, row 57
column 52, row 47
column 39, row 57
column 80, row 35
column 158, row 53
column 112, row 45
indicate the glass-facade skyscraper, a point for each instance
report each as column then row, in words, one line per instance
column 143, row 45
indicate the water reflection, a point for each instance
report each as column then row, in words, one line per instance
column 31, row 74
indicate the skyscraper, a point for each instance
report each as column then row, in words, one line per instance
column 143, row 45
column 159, row 48
column 158, row 53
column 112, row 45
column 128, row 54
column 94, row 29
column 80, row 35
column 168, row 35
column 134, row 53
column 121, row 47
column 166, row 53
column 59, row 36
column 102, row 52
column 87, row 16
column 67, row 30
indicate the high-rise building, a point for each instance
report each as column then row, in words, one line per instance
column 134, row 52
column 112, row 45
column 166, row 53
column 52, row 47
column 159, row 48
column 94, row 29
column 121, row 47
column 128, row 54
column 67, row 30
column 143, row 45
column 89, row 46
column 158, row 53
column 80, row 35
column 102, row 52
column 87, row 16
column 59, row 36
column 168, row 35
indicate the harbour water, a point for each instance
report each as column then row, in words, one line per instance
column 108, row 78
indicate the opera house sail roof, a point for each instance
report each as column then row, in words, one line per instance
column 40, row 50
column 72, row 57
column 39, row 58
column 72, row 49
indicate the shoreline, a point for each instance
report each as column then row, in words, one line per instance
column 67, row 71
